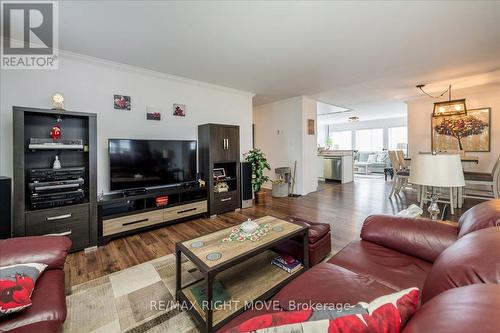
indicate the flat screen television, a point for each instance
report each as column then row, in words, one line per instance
column 150, row 163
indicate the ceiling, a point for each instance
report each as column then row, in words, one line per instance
column 365, row 112
column 344, row 53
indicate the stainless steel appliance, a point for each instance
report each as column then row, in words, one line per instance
column 332, row 167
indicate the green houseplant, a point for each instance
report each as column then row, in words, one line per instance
column 259, row 165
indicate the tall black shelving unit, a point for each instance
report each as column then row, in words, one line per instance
column 77, row 221
column 219, row 148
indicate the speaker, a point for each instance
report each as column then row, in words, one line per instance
column 5, row 207
column 246, row 185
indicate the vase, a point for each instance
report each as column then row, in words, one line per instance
column 260, row 197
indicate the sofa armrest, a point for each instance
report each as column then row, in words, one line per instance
column 422, row 238
column 49, row 250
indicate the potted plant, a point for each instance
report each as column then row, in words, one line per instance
column 259, row 164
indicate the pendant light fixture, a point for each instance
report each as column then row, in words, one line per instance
column 449, row 107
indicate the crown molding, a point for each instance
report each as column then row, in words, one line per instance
column 144, row 71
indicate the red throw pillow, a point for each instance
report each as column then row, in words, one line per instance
column 16, row 286
column 386, row 314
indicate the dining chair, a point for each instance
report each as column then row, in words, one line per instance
column 401, row 158
column 490, row 180
column 449, row 197
column 400, row 175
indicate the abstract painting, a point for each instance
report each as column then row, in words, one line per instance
column 470, row 132
column 122, row 102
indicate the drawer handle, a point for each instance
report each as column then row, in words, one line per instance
column 66, row 233
column 59, row 217
column 138, row 221
column 186, row 210
column 225, row 199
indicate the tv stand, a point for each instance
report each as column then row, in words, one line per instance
column 135, row 191
column 120, row 215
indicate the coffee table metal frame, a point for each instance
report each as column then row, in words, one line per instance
column 209, row 274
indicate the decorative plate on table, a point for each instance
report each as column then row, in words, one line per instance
column 237, row 234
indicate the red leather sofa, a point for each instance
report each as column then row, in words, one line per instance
column 48, row 311
column 457, row 269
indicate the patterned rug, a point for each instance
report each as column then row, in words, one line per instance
column 134, row 300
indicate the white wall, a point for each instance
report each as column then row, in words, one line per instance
column 378, row 123
column 281, row 133
column 309, row 146
column 419, row 120
column 88, row 85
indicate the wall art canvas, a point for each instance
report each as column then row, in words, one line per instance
column 122, row 102
column 469, row 132
column 153, row 116
column 179, row 110
column 153, row 113
column 311, row 127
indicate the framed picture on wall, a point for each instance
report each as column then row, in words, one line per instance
column 310, row 127
column 179, row 110
column 470, row 132
column 122, row 102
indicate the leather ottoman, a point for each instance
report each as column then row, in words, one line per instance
column 319, row 242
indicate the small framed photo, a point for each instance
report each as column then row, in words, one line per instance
column 219, row 173
column 122, row 102
column 311, row 127
column 179, row 110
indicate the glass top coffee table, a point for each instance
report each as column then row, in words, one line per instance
column 243, row 266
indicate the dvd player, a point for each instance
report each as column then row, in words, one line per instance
column 48, row 200
column 50, row 175
column 56, row 185
column 36, row 143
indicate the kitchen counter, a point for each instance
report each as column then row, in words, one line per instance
column 327, row 153
column 335, row 165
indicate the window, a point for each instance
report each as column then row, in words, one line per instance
column 398, row 138
column 370, row 139
column 341, row 140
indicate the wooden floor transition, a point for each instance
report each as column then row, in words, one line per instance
column 344, row 207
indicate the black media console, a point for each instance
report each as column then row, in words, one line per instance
column 55, row 201
column 120, row 215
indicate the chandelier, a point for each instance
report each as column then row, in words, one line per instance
column 449, row 107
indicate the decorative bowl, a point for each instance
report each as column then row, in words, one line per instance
column 249, row 227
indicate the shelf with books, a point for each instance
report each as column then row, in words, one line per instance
column 249, row 281
column 287, row 263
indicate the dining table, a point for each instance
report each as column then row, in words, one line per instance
column 465, row 160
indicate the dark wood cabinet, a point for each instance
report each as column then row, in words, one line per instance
column 232, row 137
column 218, row 143
column 70, row 221
column 219, row 147
column 54, row 212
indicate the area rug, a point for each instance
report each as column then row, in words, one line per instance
column 134, row 300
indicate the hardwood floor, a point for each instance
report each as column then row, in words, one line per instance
column 344, row 207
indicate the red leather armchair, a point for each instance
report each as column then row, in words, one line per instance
column 48, row 311
column 456, row 268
